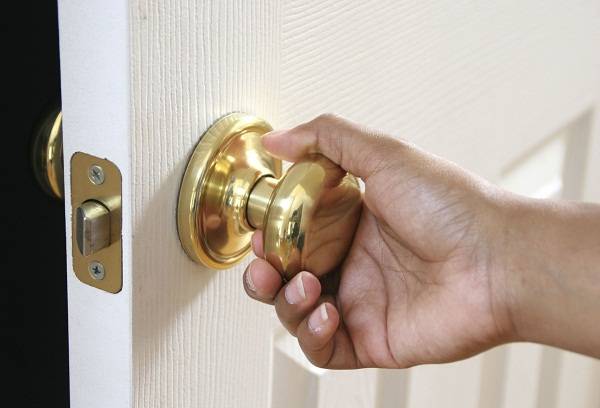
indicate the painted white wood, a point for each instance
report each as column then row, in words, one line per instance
column 578, row 381
column 493, row 374
column 199, row 341
column 591, row 186
column 449, row 385
column 480, row 83
column 540, row 172
column 95, row 81
column 393, row 388
column 524, row 363
column 497, row 76
column 299, row 384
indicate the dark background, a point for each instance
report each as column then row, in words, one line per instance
column 33, row 300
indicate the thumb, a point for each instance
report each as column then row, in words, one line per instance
column 352, row 147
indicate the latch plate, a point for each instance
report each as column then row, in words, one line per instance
column 102, row 269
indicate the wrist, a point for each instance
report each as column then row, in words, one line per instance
column 521, row 264
column 549, row 270
column 503, row 263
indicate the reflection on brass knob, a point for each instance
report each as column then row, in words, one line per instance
column 232, row 186
column 47, row 154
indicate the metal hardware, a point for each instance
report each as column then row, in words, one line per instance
column 96, row 222
column 96, row 174
column 93, row 227
column 95, row 204
column 47, row 154
column 96, row 270
column 233, row 186
column 223, row 168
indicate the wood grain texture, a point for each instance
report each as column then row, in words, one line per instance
column 455, row 77
column 477, row 82
column 198, row 339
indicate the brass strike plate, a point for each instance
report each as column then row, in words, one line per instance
column 97, row 180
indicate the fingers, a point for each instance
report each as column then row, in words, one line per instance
column 297, row 299
column 261, row 281
column 315, row 334
column 293, row 302
column 324, row 341
column 304, row 313
column 355, row 149
column 257, row 244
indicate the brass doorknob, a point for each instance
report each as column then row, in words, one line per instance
column 232, row 186
column 47, row 154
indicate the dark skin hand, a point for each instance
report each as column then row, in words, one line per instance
column 443, row 264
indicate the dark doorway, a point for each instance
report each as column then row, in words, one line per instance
column 33, row 279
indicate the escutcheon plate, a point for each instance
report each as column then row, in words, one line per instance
column 224, row 167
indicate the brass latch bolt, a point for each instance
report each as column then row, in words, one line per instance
column 92, row 227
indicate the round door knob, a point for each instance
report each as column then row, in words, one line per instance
column 47, row 154
column 232, row 187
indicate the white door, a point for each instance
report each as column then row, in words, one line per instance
column 507, row 89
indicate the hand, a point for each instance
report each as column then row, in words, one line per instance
column 416, row 285
column 426, row 278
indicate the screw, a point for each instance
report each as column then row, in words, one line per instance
column 96, row 270
column 96, row 174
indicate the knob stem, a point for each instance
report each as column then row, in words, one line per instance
column 259, row 201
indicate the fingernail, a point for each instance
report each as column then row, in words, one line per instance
column 318, row 318
column 294, row 291
column 248, row 280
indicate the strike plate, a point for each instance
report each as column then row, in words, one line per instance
column 93, row 178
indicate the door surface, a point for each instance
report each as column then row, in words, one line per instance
column 509, row 90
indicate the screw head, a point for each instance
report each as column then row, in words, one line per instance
column 96, row 174
column 96, row 270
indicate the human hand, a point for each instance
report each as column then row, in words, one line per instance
column 425, row 279
column 416, row 284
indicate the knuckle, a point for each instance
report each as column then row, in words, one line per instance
column 315, row 362
column 329, row 131
column 329, row 120
column 289, row 324
column 258, row 298
column 291, row 330
column 327, row 117
column 284, row 312
column 313, row 354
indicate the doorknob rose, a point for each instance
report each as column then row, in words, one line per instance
column 232, row 186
